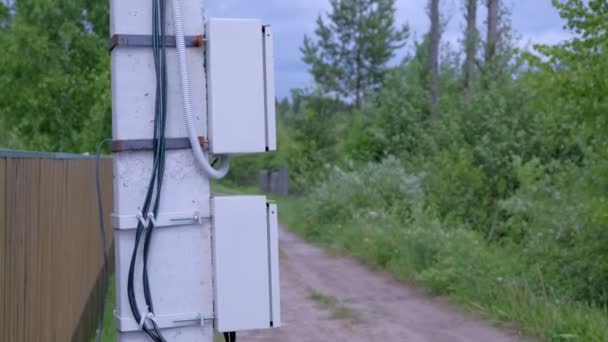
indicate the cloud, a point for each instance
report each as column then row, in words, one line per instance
column 536, row 21
column 550, row 37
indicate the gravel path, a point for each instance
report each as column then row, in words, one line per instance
column 328, row 298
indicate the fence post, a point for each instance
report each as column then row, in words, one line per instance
column 283, row 182
column 264, row 181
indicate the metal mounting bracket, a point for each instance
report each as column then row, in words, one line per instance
column 149, row 144
column 128, row 324
column 130, row 222
column 145, row 40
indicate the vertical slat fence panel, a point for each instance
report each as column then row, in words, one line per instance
column 50, row 251
column 31, row 291
column 3, row 246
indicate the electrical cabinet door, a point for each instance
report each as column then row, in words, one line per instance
column 246, row 263
column 240, row 81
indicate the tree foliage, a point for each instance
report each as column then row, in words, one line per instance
column 509, row 184
column 572, row 74
column 350, row 55
column 501, row 200
column 54, row 72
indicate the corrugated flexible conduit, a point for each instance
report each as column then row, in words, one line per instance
column 197, row 151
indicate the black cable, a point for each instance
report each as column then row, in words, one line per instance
column 139, row 232
column 104, row 248
column 230, row 336
column 161, row 110
column 157, row 175
column 157, row 134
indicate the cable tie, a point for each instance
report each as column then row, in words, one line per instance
column 148, row 316
column 142, row 321
column 141, row 219
column 151, row 218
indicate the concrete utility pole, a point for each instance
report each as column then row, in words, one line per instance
column 180, row 267
column 189, row 263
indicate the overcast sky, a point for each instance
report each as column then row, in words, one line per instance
column 536, row 21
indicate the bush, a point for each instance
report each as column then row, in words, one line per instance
column 375, row 189
column 554, row 209
column 500, row 201
column 488, row 204
column 545, row 283
column 457, row 189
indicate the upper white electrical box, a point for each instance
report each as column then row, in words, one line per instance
column 240, row 86
column 245, row 263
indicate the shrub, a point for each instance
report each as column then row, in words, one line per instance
column 457, row 189
column 554, row 209
column 365, row 193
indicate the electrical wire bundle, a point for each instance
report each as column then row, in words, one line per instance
column 153, row 195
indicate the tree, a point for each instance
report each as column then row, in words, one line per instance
column 470, row 44
column 500, row 51
column 4, row 14
column 54, row 75
column 571, row 75
column 435, row 40
column 492, row 38
column 351, row 52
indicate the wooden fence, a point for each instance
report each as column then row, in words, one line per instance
column 50, row 251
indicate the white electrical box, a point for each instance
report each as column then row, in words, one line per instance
column 246, row 263
column 240, row 86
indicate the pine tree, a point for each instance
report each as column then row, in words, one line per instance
column 435, row 40
column 470, row 45
column 351, row 52
column 492, row 39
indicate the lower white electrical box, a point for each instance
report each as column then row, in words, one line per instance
column 246, row 263
column 240, row 86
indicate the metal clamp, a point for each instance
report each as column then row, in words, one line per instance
column 145, row 40
column 130, row 222
column 128, row 324
column 150, row 144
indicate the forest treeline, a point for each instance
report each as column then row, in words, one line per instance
column 477, row 170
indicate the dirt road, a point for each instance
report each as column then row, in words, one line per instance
column 327, row 298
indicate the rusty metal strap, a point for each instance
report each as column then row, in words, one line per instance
column 150, row 144
column 143, row 40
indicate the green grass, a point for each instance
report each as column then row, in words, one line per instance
column 222, row 188
column 325, row 301
column 456, row 265
column 449, row 263
column 342, row 313
column 331, row 303
column 109, row 329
